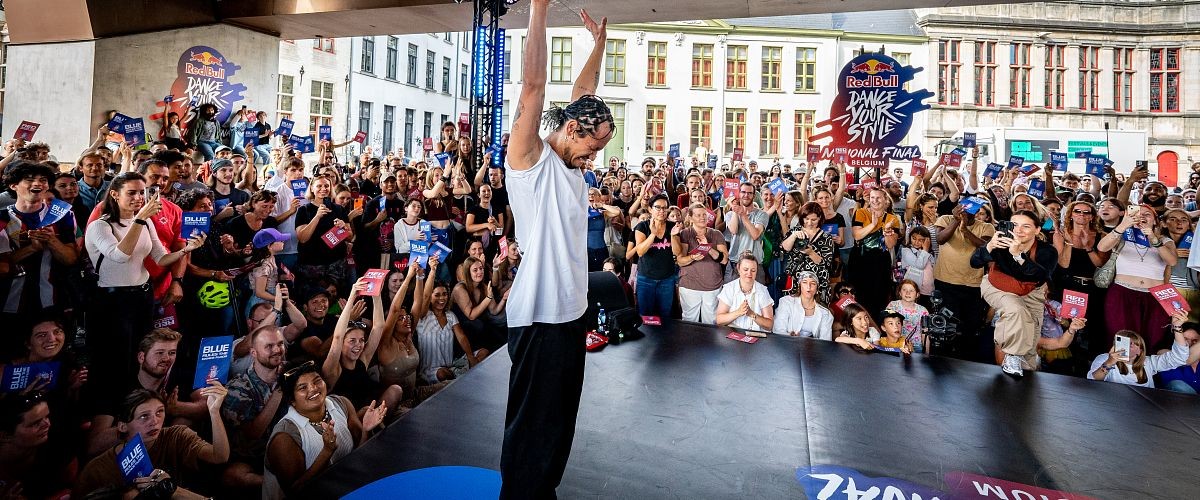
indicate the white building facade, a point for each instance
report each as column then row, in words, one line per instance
column 404, row 87
column 759, row 84
column 312, row 87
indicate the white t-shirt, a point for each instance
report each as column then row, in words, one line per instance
column 731, row 295
column 283, row 201
column 549, row 207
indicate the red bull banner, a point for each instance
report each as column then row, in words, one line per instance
column 873, row 112
column 203, row 78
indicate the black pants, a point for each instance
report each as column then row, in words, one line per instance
column 117, row 321
column 543, row 400
column 966, row 302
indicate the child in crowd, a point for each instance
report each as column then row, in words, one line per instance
column 912, row 312
column 917, row 261
column 893, row 333
column 860, row 328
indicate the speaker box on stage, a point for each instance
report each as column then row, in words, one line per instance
column 605, row 291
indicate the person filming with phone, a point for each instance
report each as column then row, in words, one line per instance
column 1018, row 267
column 1128, row 363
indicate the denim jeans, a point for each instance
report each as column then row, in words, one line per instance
column 262, row 154
column 207, row 148
column 655, row 297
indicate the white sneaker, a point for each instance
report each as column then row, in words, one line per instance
column 1012, row 365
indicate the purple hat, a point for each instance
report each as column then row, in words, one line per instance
column 265, row 237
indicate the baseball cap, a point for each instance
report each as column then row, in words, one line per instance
column 888, row 313
column 220, row 162
column 222, row 148
column 265, row 237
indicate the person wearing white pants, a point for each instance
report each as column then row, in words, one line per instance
column 701, row 254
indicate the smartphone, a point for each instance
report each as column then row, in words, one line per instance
column 1048, row 225
column 152, row 191
column 1142, row 165
column 1004, row 228
column 1121, row 346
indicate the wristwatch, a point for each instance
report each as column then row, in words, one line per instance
column 142, row 222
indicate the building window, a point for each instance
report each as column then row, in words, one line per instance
column 446, row 75
column 412, row 64
column 985, row 74
column 948, row 69
column 446, row 37
column 428, row 126
column 1089, row 78
column 430, row 68
column 656, row 128
column 1019, row 68
column 393, row 56
column 462, row 81
column 320, row 106
column 286, row 93
column 656, row 64
column 1164, row 80
column 409, row 117
column 772, row 62
column 702, row 65
column 389, row 118
column 368, row 55
column 1056, row 75
column 768, row 142
column 323, row 44
column 804, row 130
column 806, row 69
column 701, row 129
column 504, row 116
column 735, row 129
column 736, row 57
column 560, row 59
column 614, row 62
column 1123, row 73
column 902, row 59
column 507, row 58
column 364, row 118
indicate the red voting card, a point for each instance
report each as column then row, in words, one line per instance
column 842, row 303
column 26, row 130
column 1074, row 304
column 840, row 154
column 730, row 189
column 335, row 236
column 374, row 279
column 918, row 167
column 428, row 145
column 360, row 137
column 651, row 320
column 701, row 249
column 464, row 124
column 1170, row 300
column 737, row 154
column 741, row 338
column 814, row 154
column 504, row 247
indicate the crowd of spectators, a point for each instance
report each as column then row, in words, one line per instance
column 118, row 297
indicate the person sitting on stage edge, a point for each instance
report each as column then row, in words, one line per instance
column 1184, row 378
column 1019, row 265
column 800, row 315
column 745, row 303
column 1135, row 367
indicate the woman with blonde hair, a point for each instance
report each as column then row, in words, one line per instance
column 1136, row 367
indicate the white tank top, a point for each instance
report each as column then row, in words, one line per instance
column 310, row 442
column 549, row 206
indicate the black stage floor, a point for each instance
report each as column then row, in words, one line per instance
column 687, row 413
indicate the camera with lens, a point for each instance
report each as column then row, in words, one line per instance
column 940, row 324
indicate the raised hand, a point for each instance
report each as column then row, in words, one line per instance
column 599, row 31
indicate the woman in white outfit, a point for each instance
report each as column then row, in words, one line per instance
column 800, row 315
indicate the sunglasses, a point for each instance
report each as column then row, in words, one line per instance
column 1081, row 212
column 361, row 325
column 307, row 366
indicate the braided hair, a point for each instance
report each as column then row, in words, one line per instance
column 589, row 111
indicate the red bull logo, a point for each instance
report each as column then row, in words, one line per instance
column 871, row 67
column 206, row 58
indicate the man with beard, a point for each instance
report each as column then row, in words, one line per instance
column 92, row 178
column 180, row 176
column 1152, row 194
column 375, row 227
column 253, row 399
column 896, row 191
column 156, row 360
column 204, row 131
column 744, row 226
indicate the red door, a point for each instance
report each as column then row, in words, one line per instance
column 1168, row 168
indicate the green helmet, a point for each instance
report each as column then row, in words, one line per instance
column 214, row 294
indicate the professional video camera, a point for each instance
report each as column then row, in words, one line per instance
column 940, row 324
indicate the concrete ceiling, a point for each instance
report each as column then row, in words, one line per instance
column 38, row 21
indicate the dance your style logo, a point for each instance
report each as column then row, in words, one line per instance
column 831, row 482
